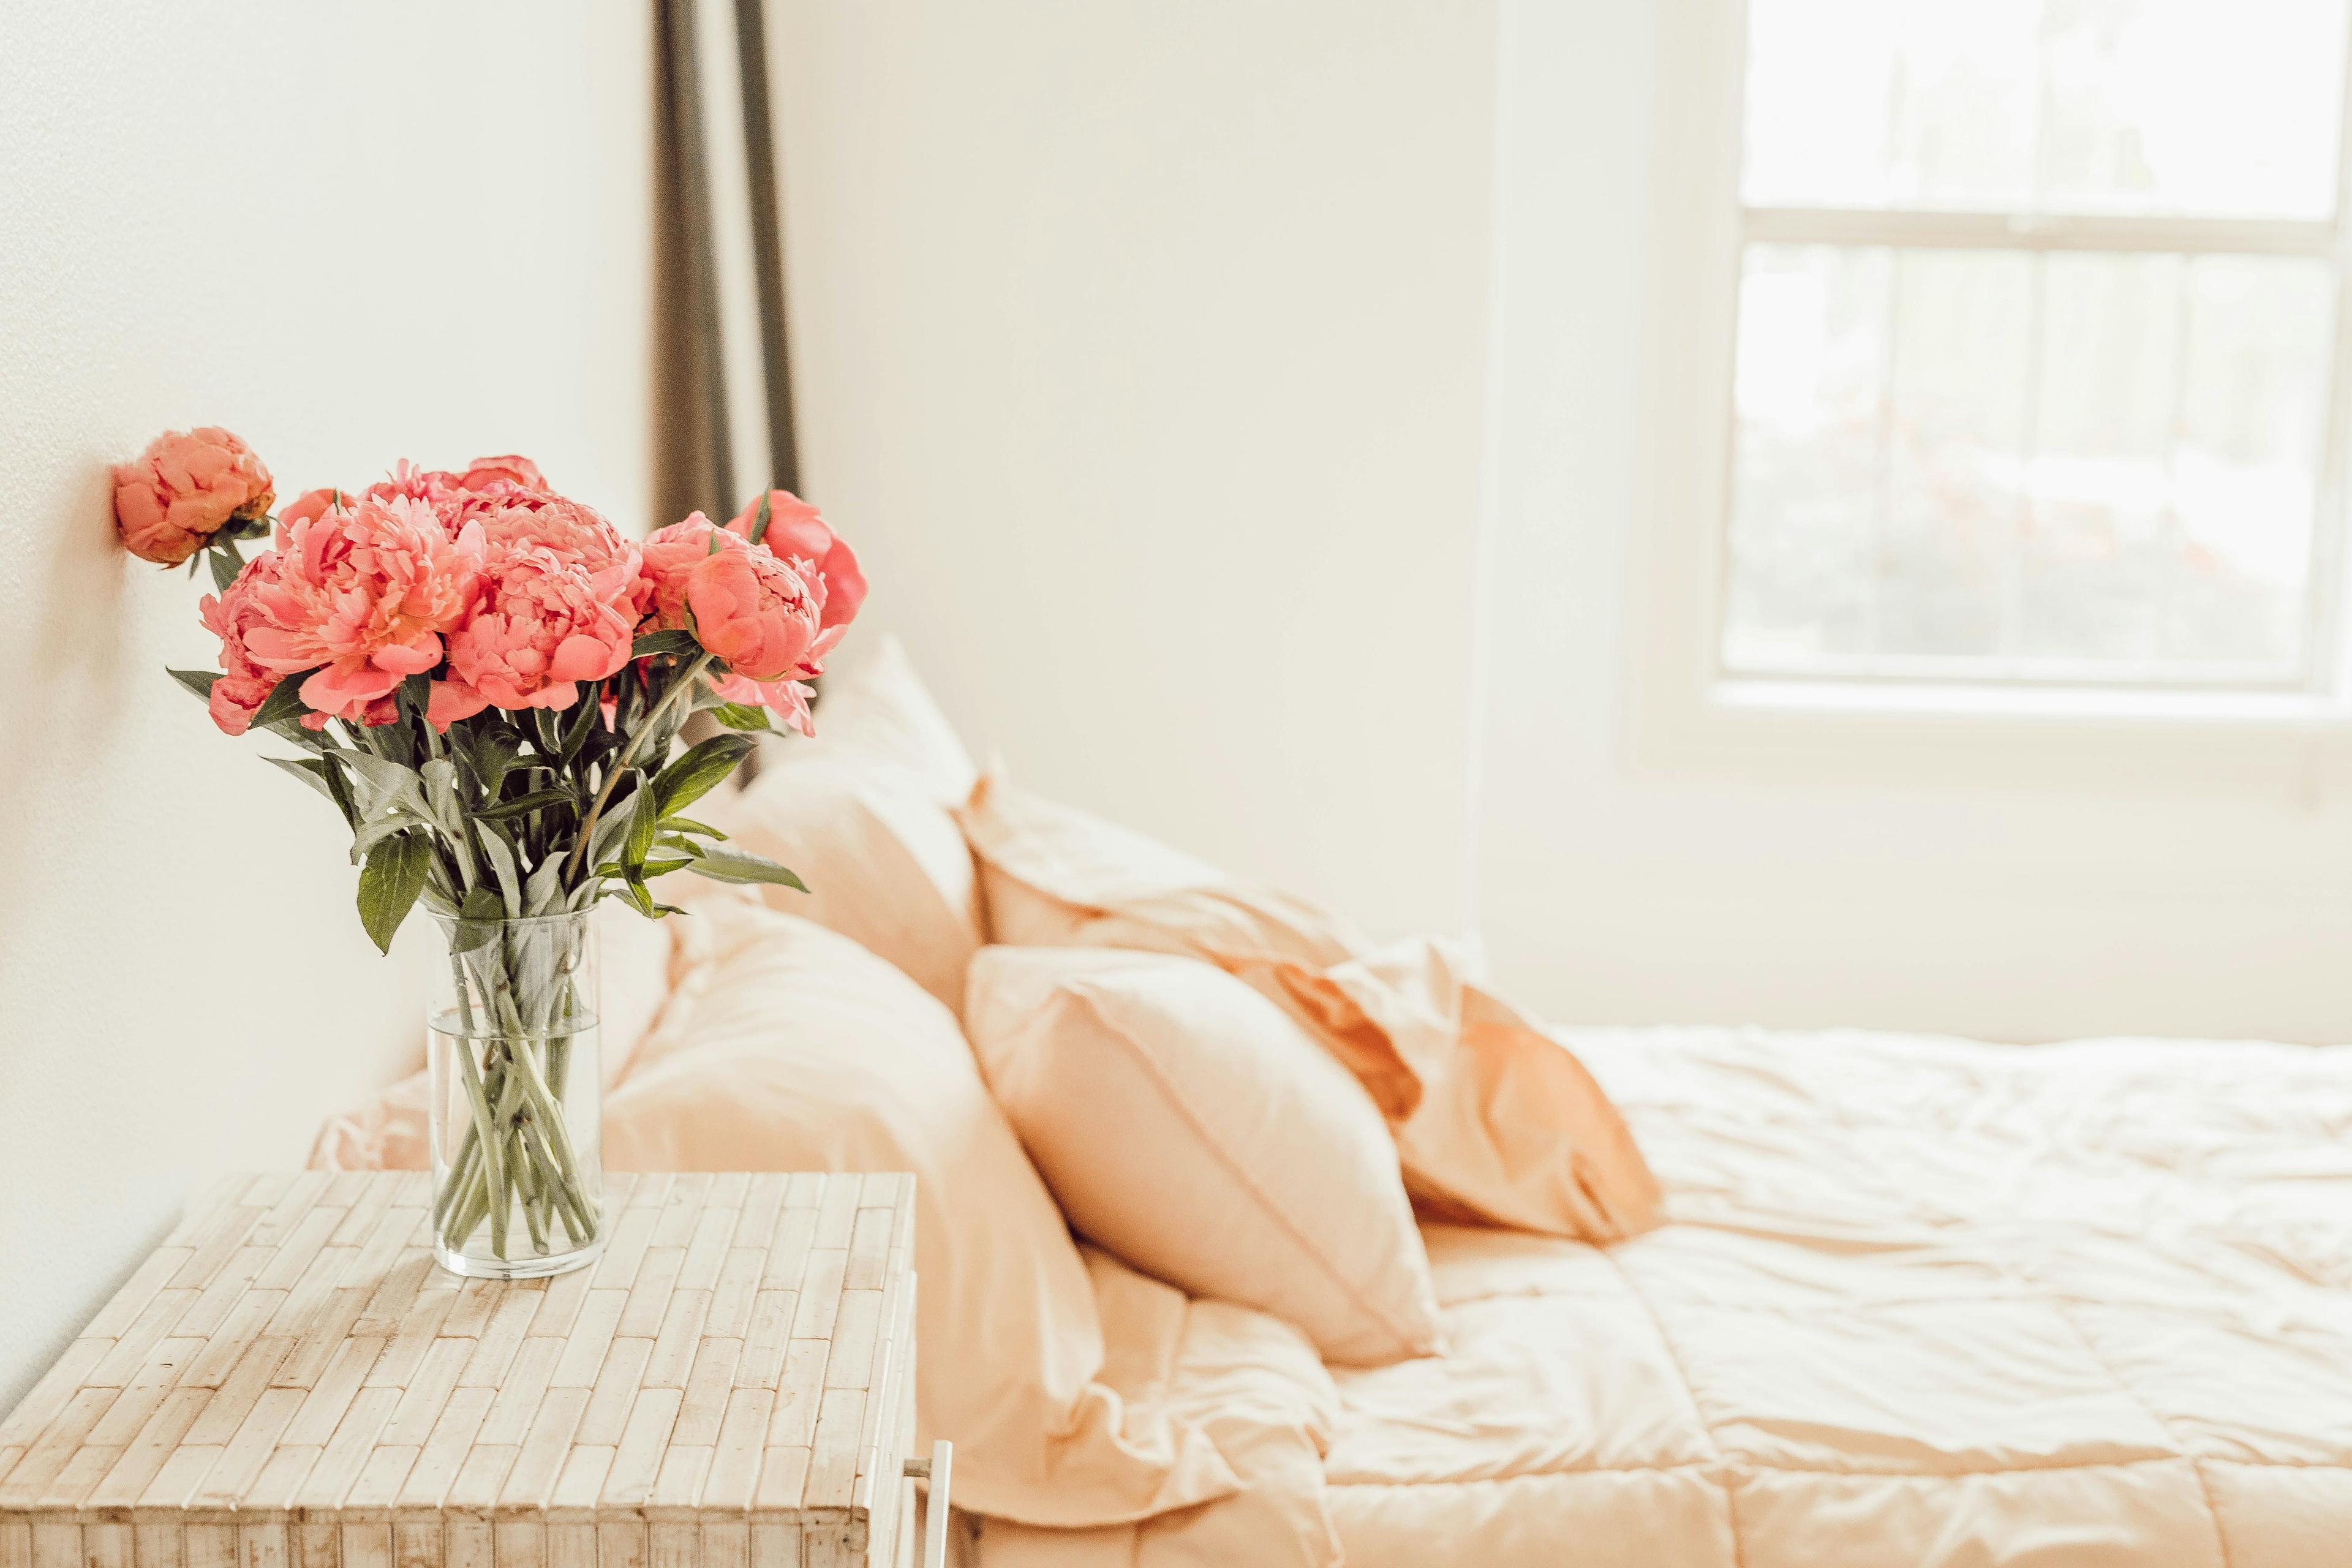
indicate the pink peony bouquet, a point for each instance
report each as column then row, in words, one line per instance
column 489, row 679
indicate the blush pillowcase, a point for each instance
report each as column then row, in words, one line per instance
column 862, row 814
column 789, row 1047
column 1493, row 1120
column 1185, row 1123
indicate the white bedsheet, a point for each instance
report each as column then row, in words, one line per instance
column 1921, row 1302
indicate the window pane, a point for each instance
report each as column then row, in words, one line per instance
column 1807, row 476
column 1998, row 465
column 2245, row 471
column 2099, row 535
column 2102, row 106
column 1963, row 354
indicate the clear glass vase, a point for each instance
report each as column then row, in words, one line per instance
column 517, row 1115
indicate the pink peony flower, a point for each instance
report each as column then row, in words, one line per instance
column 231, row 617
column 796, row 532
column 382, row 710
column 183, row 488
column 361, row 594
column 766, row 618
column 559, row 606
column 758, row 613
column 492, row 484
column 667, row 559
column 482, row 473
column 306, row 506
column 576, row 532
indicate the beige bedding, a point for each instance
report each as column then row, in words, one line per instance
column 1921, row 1302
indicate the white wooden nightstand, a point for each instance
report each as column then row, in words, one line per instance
column 289, row 1382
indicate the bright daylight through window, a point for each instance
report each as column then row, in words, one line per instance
column 2037, row 343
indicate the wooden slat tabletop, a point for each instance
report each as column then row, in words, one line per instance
column 737, row 1361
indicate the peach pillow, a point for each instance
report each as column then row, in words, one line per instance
column 1509, row 1128
column 1494, row 1119
column 1188, row 1125
column 861, row 814
column 1053, row 876
column 787, row 1047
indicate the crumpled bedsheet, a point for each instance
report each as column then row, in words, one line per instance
column 1919, row 1301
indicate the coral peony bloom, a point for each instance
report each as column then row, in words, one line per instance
column 245, row 685
column 667, row 559
column 183, row 488
column 482, row 473
column 361, row 595
column 558, row 607
column 579, row 533
column 757, row 613
column 451, row 701
column 796, row 532
column 306, row 506
column 492, row 485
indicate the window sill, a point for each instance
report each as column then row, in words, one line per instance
column 2085, row 705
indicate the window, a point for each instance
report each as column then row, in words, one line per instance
column 2036, row 348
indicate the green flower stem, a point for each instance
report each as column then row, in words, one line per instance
column 562, row 1192
column 461, row 1172
column 534, row 1193
column 684, row 684
column 518, row 1009
column 483, row 1131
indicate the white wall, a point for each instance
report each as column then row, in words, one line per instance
column 2017, row 881
column 1146, row 351
column 350, row 233
column 1139, row 349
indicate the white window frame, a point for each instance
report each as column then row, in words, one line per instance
column 1692, row 711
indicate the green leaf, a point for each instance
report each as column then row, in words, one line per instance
column 664, row 868
column 312, row 771
column 341, row 789
column 524, row 804
column 688, row 825
column 700, row 770
column 740, row 716
column 477, row 921
column 292, row 732
column 501, row 858
column 385, row 784
column 645, row 824
column 389, row 884
column 368, row 833
column 539, row 892
column 415, row 696
column 759, row 523
column 614, row 826
column 637, row 895
column 284, row 701
column 441, row 792
column 225, row 563
column 582, row 722
column 663, row 642
column 491, row 748
column 735, row 866
column 199, row 681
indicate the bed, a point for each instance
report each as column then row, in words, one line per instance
column 1921, row 1301
column 1915, row 1301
